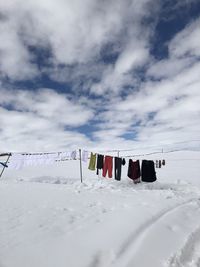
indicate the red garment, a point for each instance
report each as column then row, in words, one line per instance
column 108, row 166
column 134, row 170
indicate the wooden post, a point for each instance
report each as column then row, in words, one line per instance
column 81, row 173
column 118, row 154
column 4, row 166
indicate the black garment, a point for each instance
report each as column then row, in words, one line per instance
column 157, row 164
column 148, row 171
column 160, row 164
column 100, row 159
column 134, row 170
column 163, row 162
column 118, row 167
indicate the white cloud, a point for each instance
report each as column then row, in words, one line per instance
column 41, row 120
column 74, row 32
column 117, row 76
column 15, row 61
column 131, row 58
column 170, row 67
column 48, row 104
column 160, row 113
column 186, row 43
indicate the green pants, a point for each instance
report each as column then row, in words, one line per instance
column 92, row 163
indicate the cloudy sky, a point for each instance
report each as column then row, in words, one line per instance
column 104, row 74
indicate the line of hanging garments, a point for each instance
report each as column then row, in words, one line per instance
column 20, row 160
column 136, row 172
column 160, row 163
column 105, row 163
column 145, row 173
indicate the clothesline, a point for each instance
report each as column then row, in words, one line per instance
column 26, row 158
column 98, row 151
column 66, row 158
column 109, row 163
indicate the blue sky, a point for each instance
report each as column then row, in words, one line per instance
column 99, row 74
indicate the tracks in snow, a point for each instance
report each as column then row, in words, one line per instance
column 189, row 255
column 127, row 256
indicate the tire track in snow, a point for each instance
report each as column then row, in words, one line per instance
column 127, row 249
column 189, row 253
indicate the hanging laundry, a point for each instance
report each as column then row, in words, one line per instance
column 92, row 163
column 118, row 167
column 160, row 164
column 157, row 164
column 64, row 155
column 52, row 158
column 148, row 171
column 134, row 170
column 163, row 162
column 84, row 156
column 100, row 159
column 16, row 161
column 73, row 154
column 108, row 166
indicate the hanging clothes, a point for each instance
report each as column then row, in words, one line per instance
column 159, row 164
column 134, row 172
column 108, row 166
column 100, row 159
column 73, row 154
column 118, row 167
column 163, row 162
column 92, row 163
column 16, row 162
column 84, row 156
column 63, row 156
column 148, row 171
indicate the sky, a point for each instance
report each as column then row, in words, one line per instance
column 110, row 74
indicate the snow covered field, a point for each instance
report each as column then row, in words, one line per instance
column 49, row 219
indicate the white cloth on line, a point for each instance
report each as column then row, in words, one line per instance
column 73, row 154
column 84, row 156
column 17, row 161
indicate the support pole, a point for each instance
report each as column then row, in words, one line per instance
column 4, row 166
column 118, row 154
column 81, row 173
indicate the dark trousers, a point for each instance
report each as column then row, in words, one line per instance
column 100, row 159
column 118, row 168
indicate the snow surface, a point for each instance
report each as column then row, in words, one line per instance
column 49, row 219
